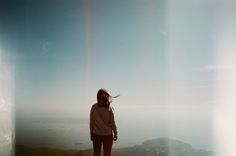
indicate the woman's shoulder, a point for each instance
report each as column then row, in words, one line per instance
column 95, row 105
column 111, row 109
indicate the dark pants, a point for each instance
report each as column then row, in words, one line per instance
column 98, row 141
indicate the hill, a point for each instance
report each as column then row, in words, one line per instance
column 154, row 147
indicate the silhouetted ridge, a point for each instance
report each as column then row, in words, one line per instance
column 162, row 147
column 155, row 147
column 161, row 144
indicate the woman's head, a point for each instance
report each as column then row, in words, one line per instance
column 103, row 98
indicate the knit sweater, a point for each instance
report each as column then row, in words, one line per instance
column 102, row 121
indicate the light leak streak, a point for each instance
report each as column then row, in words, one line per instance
column 7, row 112
column 87, row 12
column 224, row 112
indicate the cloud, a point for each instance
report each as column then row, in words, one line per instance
column 3, row 105
column 210, row 68
column 46, row 46
column 164, row 33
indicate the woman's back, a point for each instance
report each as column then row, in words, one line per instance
column 102, row 124
column 102, row 120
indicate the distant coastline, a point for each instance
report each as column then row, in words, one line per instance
column 63, row 120
column 154, row 147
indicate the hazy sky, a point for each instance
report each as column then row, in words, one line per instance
column 65, row 51
column 159, row 55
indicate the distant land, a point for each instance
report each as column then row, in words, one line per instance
column 155, row 147
column 64, row 120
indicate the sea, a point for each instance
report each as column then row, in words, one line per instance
column 73, row 133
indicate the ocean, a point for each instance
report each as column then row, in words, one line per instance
column 73, row 133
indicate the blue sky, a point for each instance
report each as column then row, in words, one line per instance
column 63, row 49
column 151, row 52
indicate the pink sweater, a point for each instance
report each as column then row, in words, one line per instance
column 102, row 121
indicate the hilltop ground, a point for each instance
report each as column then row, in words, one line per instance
column 155, row 147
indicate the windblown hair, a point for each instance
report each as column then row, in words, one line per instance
column 103, row 98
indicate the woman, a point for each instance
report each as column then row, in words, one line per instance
column 102, row 124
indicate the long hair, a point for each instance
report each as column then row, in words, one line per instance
column 103, row 98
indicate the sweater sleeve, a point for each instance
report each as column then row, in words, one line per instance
column 113, row 124
column 91, row 123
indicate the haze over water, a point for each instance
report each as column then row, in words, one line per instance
column 69, row 133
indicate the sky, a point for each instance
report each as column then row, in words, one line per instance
column 162, row 56
column 65, row 52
